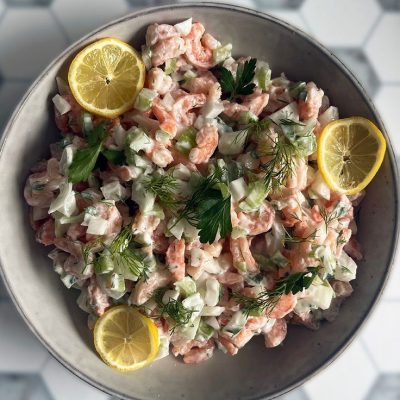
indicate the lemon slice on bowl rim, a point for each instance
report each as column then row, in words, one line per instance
column 125, row 339
column 350, row 153
column 106, row 76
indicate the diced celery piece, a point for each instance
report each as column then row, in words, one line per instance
column 204, row 331
column 247, row 117
column 256, row 194
column 186, row 140
column 104, row 263
column 170, row 66
column 144, row 99
column 220, row 54
column 146, row 57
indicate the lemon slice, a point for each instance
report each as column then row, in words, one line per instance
column 350, row 152
column 125, row 339
column 106, row 76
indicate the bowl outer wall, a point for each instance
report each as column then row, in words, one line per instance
column 50, row 310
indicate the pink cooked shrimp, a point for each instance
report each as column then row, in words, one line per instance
column 46, row 234
column 285, row 305
column 259, row 221
column 231, row 279
column 242, row 258
column 159, row 154
column 277, row 334
column 199, row 354
column 165, row 118
column 184, row 104
column 228, row 345
column 159, row 81
column 144, row 223
column 156, row 32
column 256, row 323
column 207, row 142
column 165, row 49
column 160, row 241
column 214, row 249
column 202, row 83
column 175, row 259
column 309, row 108
column 145, row 288
column 242, row 338
column 97, row 299
column 196, row 53
column 256, row 102
column 111, row 214
column 125, row 173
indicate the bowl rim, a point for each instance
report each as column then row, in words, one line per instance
column 327, row 53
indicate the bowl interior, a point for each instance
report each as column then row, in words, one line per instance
column 255, row 372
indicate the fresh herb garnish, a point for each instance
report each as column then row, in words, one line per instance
column 290, row 122
column 116, row 157
column 85, row 159
column 281, row 162
column 163, row 187
column 268, row 299
column 337, row 212
column 174, row 309
column 253, row 128
column 289, row 238
column 208, row 210
column 243, row 84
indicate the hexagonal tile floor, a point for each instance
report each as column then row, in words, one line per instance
column 362, row 33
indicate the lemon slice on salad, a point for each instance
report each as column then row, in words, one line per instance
column 125, row 339
column 350, row 152
column 106, row 76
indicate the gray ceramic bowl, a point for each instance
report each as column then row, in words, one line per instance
column 50, row 310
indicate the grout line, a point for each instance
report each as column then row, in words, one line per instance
column 60, row 25
column 372, row 28
column 369, row 355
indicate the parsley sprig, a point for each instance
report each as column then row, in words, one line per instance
column 243, row 84
column 268, row 299
column 208, row 210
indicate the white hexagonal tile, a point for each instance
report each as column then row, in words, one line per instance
column 340, row 22
column 268, row 4
column 386, row 101
column 64, row 385
column 80, row 17
column 381, row 336
column 243, row 3
column 380, row 48
column 29, row 40
column 338, row 380
column 20, row 350
column 10, row 94
column 290, row 16
column 391, row 291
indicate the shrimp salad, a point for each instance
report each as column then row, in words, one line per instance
column 203, row 205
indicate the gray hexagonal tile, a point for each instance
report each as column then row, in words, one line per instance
column 266, row 4
column 2, row 7
column 333, row 22
column 80, row 17
column 243, row 3
column 22, row 58
column 63, row 385
column 23, row 387
column 288, row 15
column 10, row 94
column 18, row 3
column 356, row 60
column 386, row 387
column 20, row 351
column 380, row 50
column 390, row 4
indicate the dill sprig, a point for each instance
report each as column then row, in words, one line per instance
column 208, row 210
column 87, row 249
column 281, row 163
column 337, row 212
column 268, row 299
column 252, row 128
column 163, row 187
column 174, row 309
column 289, row 238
